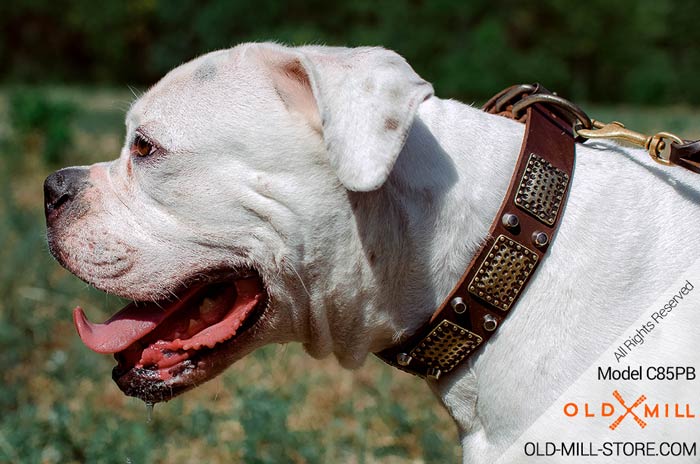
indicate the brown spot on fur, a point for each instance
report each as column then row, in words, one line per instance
column 372, row 257
column 391, row 124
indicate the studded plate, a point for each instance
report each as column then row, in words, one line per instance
column 446, row 346
column 501, row 276
column 541, row 189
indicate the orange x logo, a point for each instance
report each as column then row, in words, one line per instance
column 628, row 410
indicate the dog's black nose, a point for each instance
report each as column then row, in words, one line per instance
column 63, row 186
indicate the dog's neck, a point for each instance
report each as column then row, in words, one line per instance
column 408, row 243
column 431, row 217
column 452, row 209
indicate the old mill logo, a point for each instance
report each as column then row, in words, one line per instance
column 640, row 410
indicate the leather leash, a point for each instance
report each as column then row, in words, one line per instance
column 517, row 242
column 686, row 155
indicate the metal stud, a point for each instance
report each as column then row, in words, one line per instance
column 490, row 323
column 540, row 239
column 403, row 359
column 458, row 305
column 510, row 221
column 434, row 373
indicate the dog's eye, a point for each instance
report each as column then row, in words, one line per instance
column 142, row 147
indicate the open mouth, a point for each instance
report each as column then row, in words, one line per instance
column 166, row 347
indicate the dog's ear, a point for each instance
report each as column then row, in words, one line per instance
column 362, row 100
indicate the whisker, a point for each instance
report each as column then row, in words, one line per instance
column 291, row 267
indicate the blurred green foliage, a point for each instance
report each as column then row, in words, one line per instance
column 37, row 118
column 642, row 51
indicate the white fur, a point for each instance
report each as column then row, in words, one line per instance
column 249, row 179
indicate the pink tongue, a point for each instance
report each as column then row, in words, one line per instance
column 122, row 329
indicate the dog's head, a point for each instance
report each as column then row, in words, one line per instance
column 227, row 217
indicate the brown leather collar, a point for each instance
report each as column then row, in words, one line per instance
column 524, row 227
column 517, row 242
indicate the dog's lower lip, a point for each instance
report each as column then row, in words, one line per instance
column 147, row 385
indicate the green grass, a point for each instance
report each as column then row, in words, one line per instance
column 57, row 401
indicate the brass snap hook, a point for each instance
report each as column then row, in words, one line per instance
column 655, row 145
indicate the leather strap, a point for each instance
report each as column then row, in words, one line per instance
column 686, row 155
column 499, row 272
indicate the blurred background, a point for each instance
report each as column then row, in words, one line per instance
column 68, row 72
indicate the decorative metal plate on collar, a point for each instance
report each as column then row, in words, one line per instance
column 446, row 346
column 541, row 189
column 502, row 274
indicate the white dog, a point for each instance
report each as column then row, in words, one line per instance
column 268, row 194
